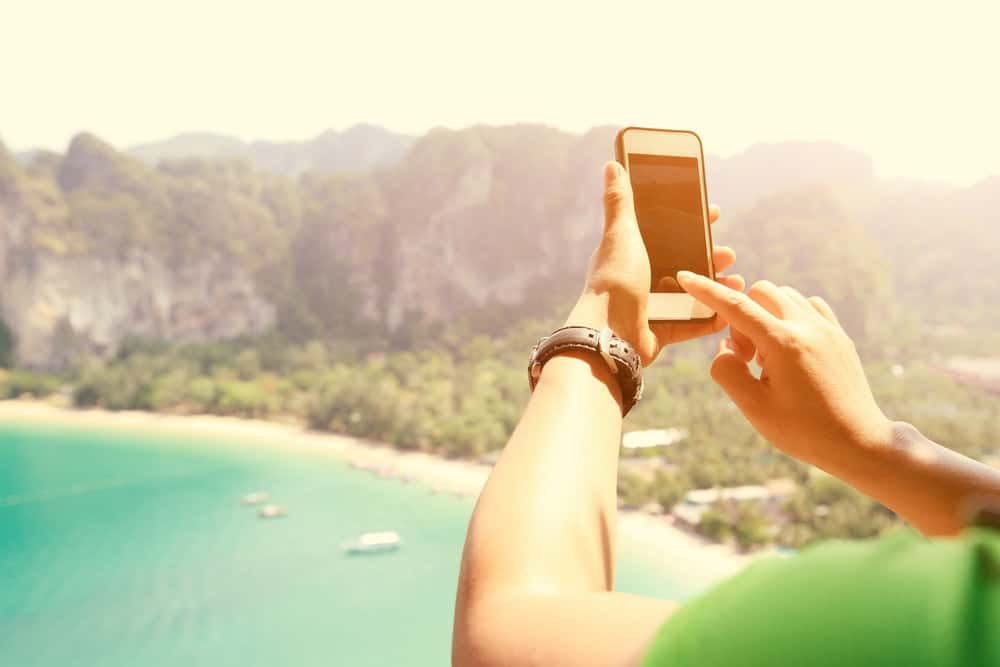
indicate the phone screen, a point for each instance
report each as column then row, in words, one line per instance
column 668, row 205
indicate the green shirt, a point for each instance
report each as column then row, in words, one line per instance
column 899, row 600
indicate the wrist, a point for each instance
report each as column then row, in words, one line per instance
column 590, row 310
column 867, row 452
column 593, row 309
column 572, row 368
column 619, row 362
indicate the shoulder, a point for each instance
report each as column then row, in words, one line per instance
column 884, row 601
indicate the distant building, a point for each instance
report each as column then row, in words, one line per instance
column 695, row 503
column 660, row 437
column 652, row 507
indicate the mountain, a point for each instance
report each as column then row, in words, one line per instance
column 478, row 227
column 943, row 242
column 764, row 168
column 358, row 148
column 96, row 247
column 26, row 157
column 190, row 144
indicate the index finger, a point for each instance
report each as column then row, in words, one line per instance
column 737, row 308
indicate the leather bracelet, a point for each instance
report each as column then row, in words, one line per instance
column 622, row 360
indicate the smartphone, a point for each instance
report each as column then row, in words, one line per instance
column 667, row 171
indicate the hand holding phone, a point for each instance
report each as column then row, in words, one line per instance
column 666, row 169
column 616, row 290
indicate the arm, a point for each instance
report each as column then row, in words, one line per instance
column 813, row 401
column 538, row 565
column 539, row 557
column 934, row 488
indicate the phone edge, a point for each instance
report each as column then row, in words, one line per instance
column 620, row 158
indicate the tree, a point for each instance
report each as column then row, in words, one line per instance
column 6, row 345
column 807, row 238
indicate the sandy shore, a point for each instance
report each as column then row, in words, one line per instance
column 677, row 550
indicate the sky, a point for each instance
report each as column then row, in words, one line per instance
column 911, row 83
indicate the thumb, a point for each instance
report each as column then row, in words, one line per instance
column 618, row 204
column 732, row 374
column 669, row 284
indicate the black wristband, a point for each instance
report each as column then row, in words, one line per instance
column 622, row 360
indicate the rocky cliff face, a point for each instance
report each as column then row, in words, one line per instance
column 101, row 247
column 61, row 307
column 505, row 221
column 492, row 223
column 61, row 298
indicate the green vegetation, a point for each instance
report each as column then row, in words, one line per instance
column 456, row 404
column 486, row 226
column 827, row 508
column 463, row 399
column 850, row 273
column 20, row 383
column 407, row 297
column 743, row 523
column 6, row 345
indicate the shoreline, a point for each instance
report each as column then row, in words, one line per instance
column 687, row 555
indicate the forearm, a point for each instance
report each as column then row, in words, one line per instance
column 930, row 486
column 542, row 536
column 546, row 518
column 538, row 565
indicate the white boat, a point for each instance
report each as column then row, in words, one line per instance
column 271, row 512
column 255, row 498
column 387, row 540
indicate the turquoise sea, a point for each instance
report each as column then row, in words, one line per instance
column 119, row 547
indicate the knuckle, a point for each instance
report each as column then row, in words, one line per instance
column 821, row 335
column 790, row 341
column 760, row 288
column 735, row 299
column 812, row 340
column 820, row 304
column 836, row 336
column 616, row 196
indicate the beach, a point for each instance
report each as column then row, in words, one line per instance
column 653, row 535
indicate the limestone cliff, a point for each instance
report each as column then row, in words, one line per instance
column 72, row 284
column 484, row 224
column 98, row 246
column 503, row 219
column 59, row 307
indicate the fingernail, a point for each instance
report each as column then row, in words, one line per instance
column 687, row 276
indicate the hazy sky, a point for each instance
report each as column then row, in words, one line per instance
column 912, row 83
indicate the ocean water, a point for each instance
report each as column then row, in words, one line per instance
column 126, row 548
